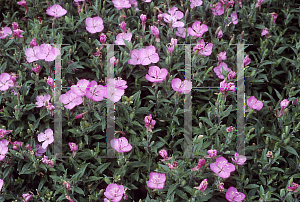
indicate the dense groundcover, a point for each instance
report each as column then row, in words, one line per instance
column 128, row 62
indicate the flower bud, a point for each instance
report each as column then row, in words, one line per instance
column 53, row 25
column 186, row 14
column 242, row 36
column 232, row 39
column 285, row 111
column 251, row 130
column 262, row 130
column 267, row 140
column 183, row 183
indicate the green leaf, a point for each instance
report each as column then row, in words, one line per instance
column 251, row 186
column 206, row 120
column 102, row 167
column 291, row 150
column 79, row 190
column 226, row 112
column 171, row 190
column 278, row 94
column 181, row 194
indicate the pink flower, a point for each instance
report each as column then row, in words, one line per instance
column 121, row 36
column 5, row 32
column 293, row 188
column 222, row 56
column 229, row 129
column 6, row 81
column 231, row 75
column 218, row 9
column 33, row 43
column 230, row 3
column 149, row 122
column 31, row 54
column 265, row 32
column 114, row 192
column 70, row 99
column 235, row 19
column 269, row 154
column 28, row 147
column 259, row 2
column 155, row 74
column 181, row 32
column 42, row 99
column 211, row 153
column 80, row 88
column 136, row 56
column 120, row 4
column 195, row 3
column 253, row 103
column 172, row 45
column 247, row 60
column 56, row 11
column 102, row 38
column 17, row 34
column 219, row 34
column 73, row 147
column 16, row 145
column 68, row 186
column 119, row 83
column 36, row 69
column 274, row 16
column 202, row 186
column 115, row 95
column 156, row 180
column 218, row 70
column 15, row 25
column 197, row 30
column 47, row 52
column 26, row 197
column 202, row 49
column 143, row 18
column 23, row 3
column 240, row 3
column 174, row 16
column 283, row 104
column 123, row 26
column 222, row 167
column 295, row 102
column 121, row 145
column 233, row 195
column 40, row 150
column 221, row 187
column 47, row 137
column 239, row 159
column 173, row 165
column 94, row 25
column 80, row 115
column 226, row 87
column 1, row 184
column 3, row 149
column 181, row 86
column 50, row 82
column 200, row 164
column 149, row 56
column 155, row 32
column 163, row 153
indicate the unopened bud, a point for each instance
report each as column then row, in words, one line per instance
column 70, row 51
column 232, row 39
column 53, row 25
column 251, row 130
column 267, row 140
column 242, row 36
column 186, row 14
column 18, row 96
column 262, row 130
column 285, row 111
column 219, row 28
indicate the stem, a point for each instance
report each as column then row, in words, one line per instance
column 156, row 91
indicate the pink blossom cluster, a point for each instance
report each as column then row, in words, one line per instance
column 43, row 52
column 143, row 56
column 45, row 160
